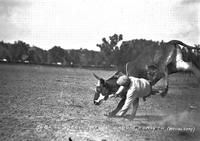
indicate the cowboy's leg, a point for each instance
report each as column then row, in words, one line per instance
column 119, row 106
column 155, row 91
column 128, row 101
column 135, row 106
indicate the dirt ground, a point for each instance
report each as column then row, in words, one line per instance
column 40, row 103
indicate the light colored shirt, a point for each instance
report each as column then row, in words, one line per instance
column 138, row 87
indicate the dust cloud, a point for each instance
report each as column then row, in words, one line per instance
column 183, row 119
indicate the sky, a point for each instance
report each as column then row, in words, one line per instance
column 74, row 24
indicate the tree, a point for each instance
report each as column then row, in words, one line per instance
column 18, row 50
column 74, row 57
column 55, row 55
column 37, row 55
column 4, row 52
column 109, row 49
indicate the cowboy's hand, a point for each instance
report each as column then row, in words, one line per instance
column 112, row 95
column 116, row 95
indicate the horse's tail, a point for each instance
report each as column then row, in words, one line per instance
column 177, row 42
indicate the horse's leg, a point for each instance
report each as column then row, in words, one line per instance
column 186, row 66
column 166, row 84
column 119, row 106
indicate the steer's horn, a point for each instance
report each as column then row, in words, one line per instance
column 97, row 77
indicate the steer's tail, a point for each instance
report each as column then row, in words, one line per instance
column 127, row 69
column 176, row 42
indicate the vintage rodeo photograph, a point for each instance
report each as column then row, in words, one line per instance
column 99, row 70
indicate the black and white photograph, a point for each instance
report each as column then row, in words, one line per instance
column 99, row 70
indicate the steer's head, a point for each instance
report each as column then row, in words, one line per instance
column 104, row 88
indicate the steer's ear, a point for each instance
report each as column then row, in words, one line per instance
column 97, row 77
column 118, row 74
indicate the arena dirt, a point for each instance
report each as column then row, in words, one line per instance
column 55, row 104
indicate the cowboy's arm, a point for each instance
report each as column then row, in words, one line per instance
column 120, row 90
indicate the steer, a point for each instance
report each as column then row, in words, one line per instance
column 105, row 88
column 165, row 60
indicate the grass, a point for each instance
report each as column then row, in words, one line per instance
column 49, row 103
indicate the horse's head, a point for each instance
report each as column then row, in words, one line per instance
column 104, row 88
column 152, row 72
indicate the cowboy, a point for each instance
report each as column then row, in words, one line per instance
column 136, row 88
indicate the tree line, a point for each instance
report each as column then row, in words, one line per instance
column 119, row 55
column 110, row 55
column 21, row 52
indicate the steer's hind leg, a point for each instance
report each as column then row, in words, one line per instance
column 119, row 106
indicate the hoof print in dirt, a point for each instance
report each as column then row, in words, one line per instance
column 129, row 117
column 109, row 115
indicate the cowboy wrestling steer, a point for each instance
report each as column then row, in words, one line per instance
column 166, row 60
